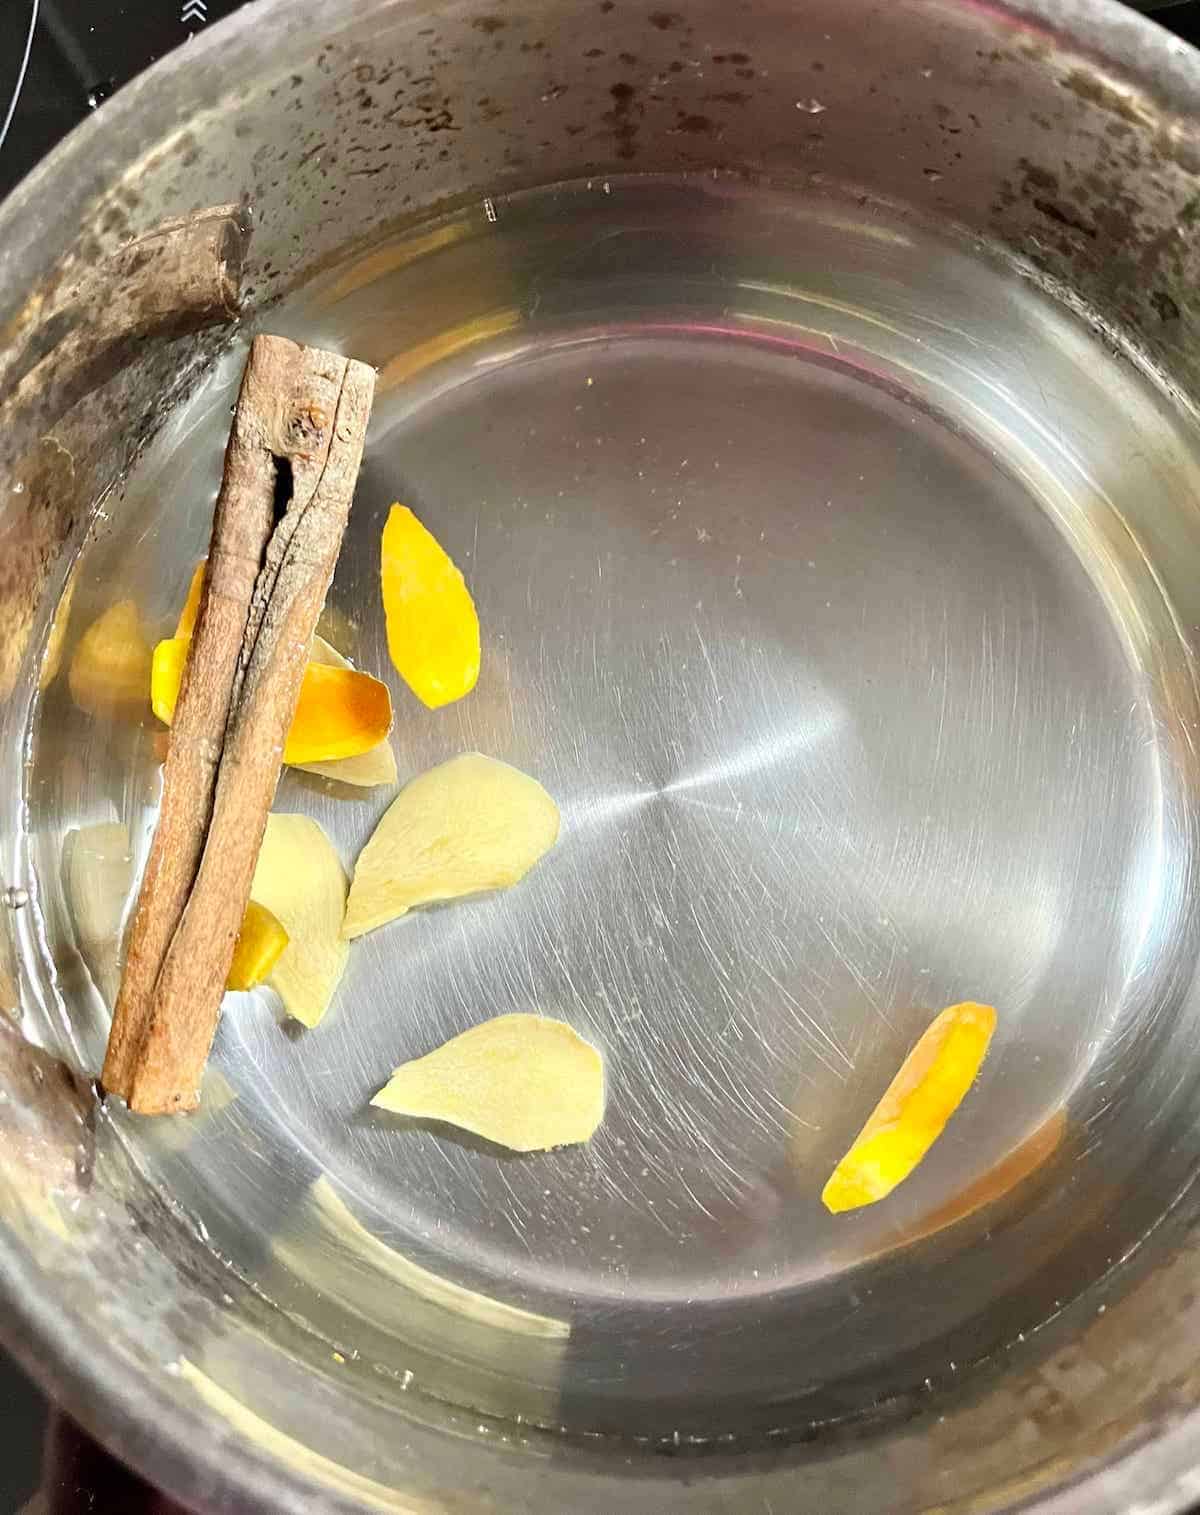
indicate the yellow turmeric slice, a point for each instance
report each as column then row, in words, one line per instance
column 166, row 676
column 340, row 712
column 191, row 606
column 259, row 946
column 432, row 627
column 930, row 1086
column 110, row 665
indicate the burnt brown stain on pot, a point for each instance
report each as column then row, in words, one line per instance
column 356, row 83
column 1164, row 305
column 623, row 116
column 1063, row 217
column 660, row 98
column 1110, row 218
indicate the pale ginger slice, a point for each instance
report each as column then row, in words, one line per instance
column 376, row 766
column 110, row 668
column 97, row 882
column 299, row 878
column 466, row 826
column 57, row 635
column 323, row 1239
column 526, row 1082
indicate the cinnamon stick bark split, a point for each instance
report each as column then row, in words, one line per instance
column 306, row 413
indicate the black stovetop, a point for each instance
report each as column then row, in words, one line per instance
column 60, row 60
column 79, row 52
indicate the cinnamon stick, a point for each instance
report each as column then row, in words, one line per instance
column 242, row 523
column 329, row 407
column 298, row 432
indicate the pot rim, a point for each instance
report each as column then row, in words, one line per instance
column 58, row 1345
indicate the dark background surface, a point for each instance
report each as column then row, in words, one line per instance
column 83, row 50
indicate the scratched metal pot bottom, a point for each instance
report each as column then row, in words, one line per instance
column 817, row 557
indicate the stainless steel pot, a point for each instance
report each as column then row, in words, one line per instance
column 810, row 392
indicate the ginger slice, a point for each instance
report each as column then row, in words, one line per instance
column 389, row 1287
column 299, row 878
column 526, row 1082
column 466, row 826
column 110, row 668
column 925, row 1093
column 57, row 635
column 260, row 944
column 375, row 766
column 97, row 883
column 340, row 712
column 432, row 626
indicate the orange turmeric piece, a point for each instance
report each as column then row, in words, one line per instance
column 334, row 716
column 919, row 1101
column 340, row 713
column 260, row 944
column 432, row 625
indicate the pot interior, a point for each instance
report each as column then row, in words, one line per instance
column 836, row 575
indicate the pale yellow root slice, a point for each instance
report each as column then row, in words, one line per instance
column 389, row 1287
column 523, row 1081
column 110, row 668
column 913, row 1112
column 377, row 766
column 56, row 639
column 97, row 883
column 466, row 826
column 300, row 880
